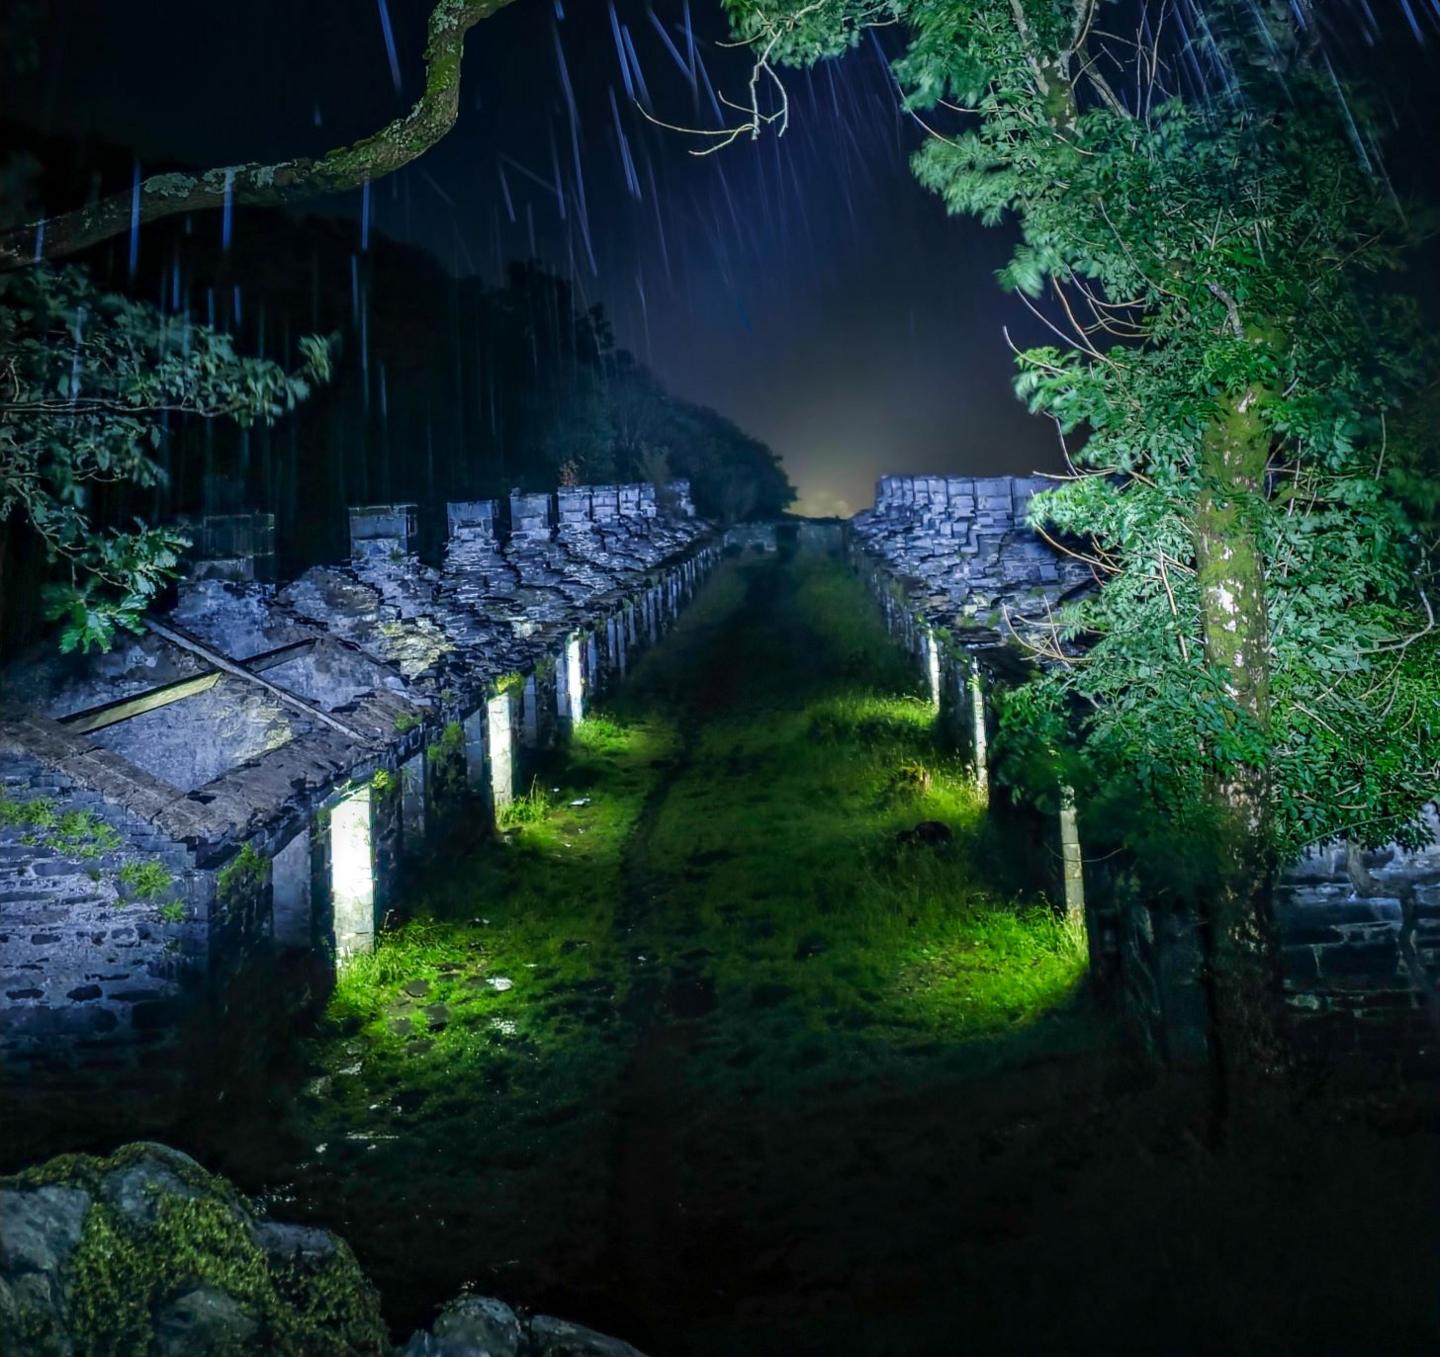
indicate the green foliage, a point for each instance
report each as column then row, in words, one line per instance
column 532, row 808
column 89, row 376
column 384, row 783
column 509, row 683
column 406, row 721
column 172, row 912
column 242, row 877
column 1226, row 262
column 144, row 880
column 911, row 780
column 39, row 813
column 76, row 833
column 450, row 744
column 83, row 834
column 445, row 759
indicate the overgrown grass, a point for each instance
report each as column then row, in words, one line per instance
column 841, row 947
column 530, row 809
column 718, row 848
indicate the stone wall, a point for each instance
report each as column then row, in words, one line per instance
column 364, row 710
column 954, row 565
column 1362, row 946
column 92, row 966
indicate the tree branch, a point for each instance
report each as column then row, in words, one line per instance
column 347, row 167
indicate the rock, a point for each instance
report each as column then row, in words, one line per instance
column 417, row 989
column 40, row 1228
column 438, row 1016
column 205, row 1319
column 299, row 1243
column 136, row 1190
column 147, row 1253
column 551, row 1337
column 479, row 1326
column 473, row 1326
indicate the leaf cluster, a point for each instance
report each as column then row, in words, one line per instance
column 89, row 381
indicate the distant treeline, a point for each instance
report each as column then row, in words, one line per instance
column 443, row 388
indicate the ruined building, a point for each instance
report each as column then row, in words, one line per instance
column 247, row 780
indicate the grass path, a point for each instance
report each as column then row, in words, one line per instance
column 697, row 1053
column 699, row 919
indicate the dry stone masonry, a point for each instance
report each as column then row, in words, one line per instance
column 956, row 566
column 247, row 780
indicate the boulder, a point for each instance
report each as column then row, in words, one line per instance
column 145, row 1254
column 478, row 1326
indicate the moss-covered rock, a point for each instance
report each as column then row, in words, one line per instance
column 145, row 1254
column 479, row 1326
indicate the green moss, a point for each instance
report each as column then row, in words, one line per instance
column 509, row 683
column 384, row 783
column 124, row 1271
column 242, row 877
column 406, row 721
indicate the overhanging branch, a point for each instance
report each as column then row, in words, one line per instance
column 165, row 195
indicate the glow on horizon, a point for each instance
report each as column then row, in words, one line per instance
column 821, row 504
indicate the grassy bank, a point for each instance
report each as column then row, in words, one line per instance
column 714, row 855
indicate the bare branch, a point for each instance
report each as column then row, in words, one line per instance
column 166, row 195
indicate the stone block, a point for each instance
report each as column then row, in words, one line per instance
column 474, row 518
column 379, row 528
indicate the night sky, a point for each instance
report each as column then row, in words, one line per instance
column 806, row 287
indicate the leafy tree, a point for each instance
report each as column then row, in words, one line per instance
column 657, row 436
column 88, row 375
column 1259, row 667
column 86, row 378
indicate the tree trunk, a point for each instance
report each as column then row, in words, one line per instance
column 1246, row 1017
column 348, row 167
